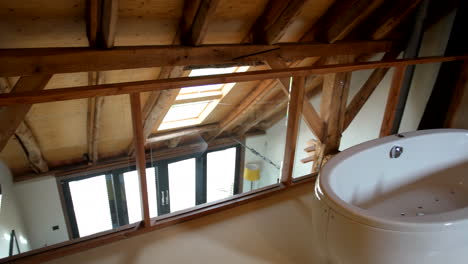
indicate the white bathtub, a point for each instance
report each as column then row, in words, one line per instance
column 374, row 209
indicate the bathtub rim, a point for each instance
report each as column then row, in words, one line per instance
column 439, row 222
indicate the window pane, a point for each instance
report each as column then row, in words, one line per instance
column 221, row 167
column 132, row 192
column 91, row 204
column 181, row 184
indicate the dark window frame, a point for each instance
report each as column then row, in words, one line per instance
column 116, row 187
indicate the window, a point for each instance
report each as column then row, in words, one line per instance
column 193, row 104
column 173, row 185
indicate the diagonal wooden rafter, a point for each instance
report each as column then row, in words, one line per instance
column 366, row 90
column 12, row 116
column 271, row 113
column 272, row 11
column 394, row 18
column 311, row 117
column 274, row 32
column 31, row 148
column 351, row 13
column 201, row 20
column 12, row 120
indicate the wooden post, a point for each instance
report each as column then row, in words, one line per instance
column 392, row 101
column 294, row 114
column 139, row 141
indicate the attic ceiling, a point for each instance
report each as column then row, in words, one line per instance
column 100, row 128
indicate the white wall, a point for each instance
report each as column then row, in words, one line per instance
column 277, row 229
column 42, row 209
column 366, row 125
column 10, row 215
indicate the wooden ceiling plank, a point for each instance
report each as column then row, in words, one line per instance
column 294, row 116
column 31, row 148
column 80, row 92
column 65, row 60
column 283, row 21
column 139, row 140
column 392, row 101
column 366, row 90
column 12, row 116
column 201, row 21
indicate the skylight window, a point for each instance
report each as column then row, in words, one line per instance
column 193, row 104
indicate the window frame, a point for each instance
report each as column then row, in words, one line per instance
column 116, row 187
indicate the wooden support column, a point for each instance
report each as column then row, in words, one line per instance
column 139, row 142
column 294, row 114
column 392, row 101
column 332, row 109
column 12, row 116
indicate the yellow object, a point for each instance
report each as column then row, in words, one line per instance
column 252, row 172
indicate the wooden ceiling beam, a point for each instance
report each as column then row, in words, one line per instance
column 31, row 148
column 188, row 16
column 80, row 92
column 201, row 20
column 351, row 13
column 20, row 62
column 95, row 105
column 93, row 21
column 11, row 117
column 272, row 11
column 110, row 13
column 394, row 18
column 361, row 97
column 276, row 31
column 182, row 132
